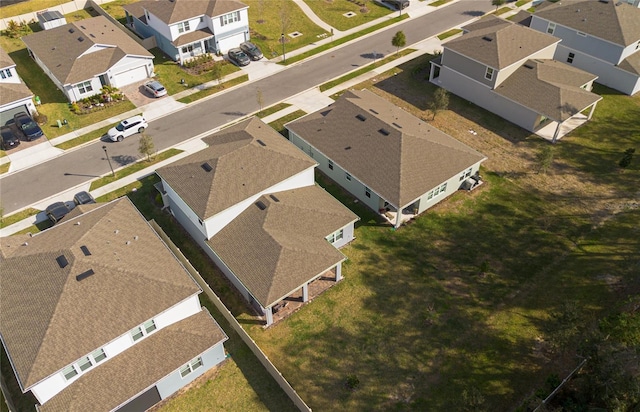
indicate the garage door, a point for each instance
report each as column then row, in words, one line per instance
column 7, row 116
column 130, row 76
column 230, row 42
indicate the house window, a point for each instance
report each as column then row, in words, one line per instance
column 84, row 363
column 430, row 195
column 201, row 19
column 551, row 28
column 136, row 333
column 443, row 188
column 184, row 26
column 6, row 73
column 149, row 326
column 140, row 331
column 468, row 172
column 187, row 49
column 334, row 237
column 310, row 151
column 69, row 372
column 230, row 18
column 582, row 34
column 84, row 87
column 638, row 46
column 99, row 355
column 489, row 73
column 191, row 366
column 330, row 164
column 347, row 176
column 436, row 191
column 339, row 234
column 571, row 57
column 367, row 192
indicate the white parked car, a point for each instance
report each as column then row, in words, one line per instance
column 127, row 127
column 155, row 88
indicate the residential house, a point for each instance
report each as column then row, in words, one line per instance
column 98, row 314
column 15, row 96
column 508, row 69
column 601, row 37
column 83, row 56
column 184, row 29
column 393, row 162
column 250, row 201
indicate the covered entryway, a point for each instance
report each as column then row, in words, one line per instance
column 7, row 115
column 230, row 42
column 130, row 76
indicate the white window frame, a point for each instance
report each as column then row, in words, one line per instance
column 335, row 236
column 230, row 18
column 6, row 73
column 488, row 74
column 85, row 87
column 142, row 331
column 367, row 192
column 551, row 28
column 191, row 366
column 83, row 364
column 570, row 58
column 330, row 164
column 347, row 176
column 183, row 26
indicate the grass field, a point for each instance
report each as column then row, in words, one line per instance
column 332, row 12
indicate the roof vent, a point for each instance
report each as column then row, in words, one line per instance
column 485, row 38
column 62, row 261
column 80, row 39
column 397, row 125
column 72, row 30
column 384, row 132
column 528, row 66
column 83, row 27
column 206, row 166
column 261, row 205
column 91, row 35
column 347, row 148
column 275, row 199
column 85, row 250
column 85, row 275
column 261, row 143
column 361, row 117
column 373, row 111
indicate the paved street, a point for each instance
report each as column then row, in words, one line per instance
column 79, row 166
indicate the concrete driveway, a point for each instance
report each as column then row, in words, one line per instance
column 137, row 95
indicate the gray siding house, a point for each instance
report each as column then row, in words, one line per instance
column 390, row 160
column 600, row 37
column 509, row 70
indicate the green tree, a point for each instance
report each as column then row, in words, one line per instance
column 497, row 3
column 145, row 146
column 440, row 101
column 399, row 40
column 545, row 159
column 627, row 157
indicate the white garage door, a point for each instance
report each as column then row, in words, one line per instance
column 130, row 76
column 230, row 42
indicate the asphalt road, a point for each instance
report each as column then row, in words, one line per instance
column 37, row 183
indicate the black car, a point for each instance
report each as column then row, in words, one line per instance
column 238, row 57
column 83, row 198
column 251, row 50
column 397, row 4
column 57, row 211
column 29, row 128
column 8, row 138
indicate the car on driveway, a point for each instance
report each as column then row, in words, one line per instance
column 27, row 126
column 57, row 211
column 83, row 198
column 397, row 4
column 127, row 127
column 155, row 88
column 251, row 50
column 238, row 57
column 8, row 138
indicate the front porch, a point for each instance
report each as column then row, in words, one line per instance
column 391, row 215
column 553, row 131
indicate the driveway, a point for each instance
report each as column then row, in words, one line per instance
column 137, row 95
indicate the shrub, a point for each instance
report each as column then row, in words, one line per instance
column 40, row 118
column 352, row 382
column 626, row 158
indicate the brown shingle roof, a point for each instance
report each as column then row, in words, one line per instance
column 128, row 374
column 5, row 59
column 48, row 319
column 614, row 20
column 192, row 37
column 631, row 64
column 175, row 11
column 10, row 92
column 245, row 159
column 275, row 250
column 62, row 51
column 550, row 88
column 401, row 166
column 498, row 43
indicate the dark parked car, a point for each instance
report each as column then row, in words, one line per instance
column 83, row 198
column 251, row 50
column 238, row 57
column 9, row 139
column 57, row 211
column 29, row 128
column 397, row 4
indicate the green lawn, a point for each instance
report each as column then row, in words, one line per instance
column 332, row 12
column 449, row 33
column 214, row 89
column 16, row 217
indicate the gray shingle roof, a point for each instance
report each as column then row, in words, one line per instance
column 119, row 379
column 245, row 159
column 175, row 11
column 614, row 20
column 498, row 43
column 401, row 166
column 276, row 249
column 62, row 51
column 550, row 88
column 48, row 319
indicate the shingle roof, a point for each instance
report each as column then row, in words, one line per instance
column 10, row 92
column 401, row 165
column 498, row 43
column 62, row 51
column 550, row 88
column 48, row 319
column 631, row 64
column 275, row 246
column 245, row 159
column 175, row 11
column 117, row 380
column 5, row 59
column 614, row 20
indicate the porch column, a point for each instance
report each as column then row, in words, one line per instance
column 305, row 292
column 338, row 270
column 556, row 133
column 431, row 69
column 398, row 219
column 269, row 315
column 593, row 108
